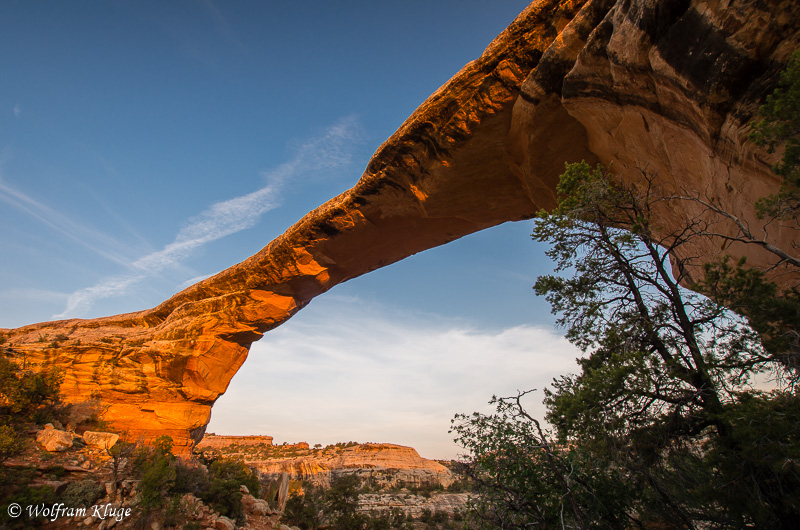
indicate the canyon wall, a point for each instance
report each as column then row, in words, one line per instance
column 385, row 465
column 668, row 85
column 214, row 441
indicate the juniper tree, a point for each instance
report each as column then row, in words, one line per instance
column 662, row 411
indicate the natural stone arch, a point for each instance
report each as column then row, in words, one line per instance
column 670, row 83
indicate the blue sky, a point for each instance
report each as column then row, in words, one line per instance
column 146, row 145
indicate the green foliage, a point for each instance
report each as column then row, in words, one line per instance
column 27, row 496
column 337, row 507
column 26, row 396
column 55, row 471
column 190, row 479
column 433, row 519
column 84, row 493
column 660, row 427
column 774, row 315
column 342, row 502
column 780, row 125
column 222, row 491
column 521, row 478
column 11, row 442
column 165, row 479
column 762, row 462
column 305, row 510
column 157, row 469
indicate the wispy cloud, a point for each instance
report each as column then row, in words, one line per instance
column 98, row 242
column 346, row 370
column 223, row 28
column 329, row 150
column 84, row 298
column 17, row 109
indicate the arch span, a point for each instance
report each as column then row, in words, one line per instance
column 668, row 84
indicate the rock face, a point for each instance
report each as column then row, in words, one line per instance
column 671, row 85
column 54, row 440
column 383, row 464
column 100, row 440
column 414, row 505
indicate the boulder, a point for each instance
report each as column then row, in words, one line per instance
column 100, row 440
column 223, row 523
column 283, row 492
column 54, row 440
column 253, row 506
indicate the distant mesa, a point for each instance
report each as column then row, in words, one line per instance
column 672, row 86
column 214, row 441
column 381, row 464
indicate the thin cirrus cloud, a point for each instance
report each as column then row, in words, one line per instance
column 85, row 236
column 329, row 150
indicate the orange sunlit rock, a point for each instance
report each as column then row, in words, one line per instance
column 625, row 82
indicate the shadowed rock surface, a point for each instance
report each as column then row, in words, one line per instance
column 671, row 85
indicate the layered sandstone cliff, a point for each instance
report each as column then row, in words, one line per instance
column 214, row 441
column 376, row 464
column 379, row 463
column 671, row 85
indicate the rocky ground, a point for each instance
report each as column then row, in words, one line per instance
column 80, row 469
column 451, row 504
column 96, row 486
column 395, row 477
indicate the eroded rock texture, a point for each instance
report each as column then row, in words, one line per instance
column 383, row 464
column 670, row 85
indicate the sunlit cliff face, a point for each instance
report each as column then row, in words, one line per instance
column 670, row 86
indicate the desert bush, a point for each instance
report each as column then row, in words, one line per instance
column 27, row 496
column 222, row 491
column 165, row 479
column 83, row 493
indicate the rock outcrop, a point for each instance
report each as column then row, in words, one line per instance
column 671, row 85
column 214, row 441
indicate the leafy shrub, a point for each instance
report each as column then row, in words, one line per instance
column 304, row 510
column 11, row 442
column 26, row 396
column 156, row 467
column 190, row 479
column 165, row 479
column 27, row 496
column 83, row 493
column 337, row 507
column 222, row 490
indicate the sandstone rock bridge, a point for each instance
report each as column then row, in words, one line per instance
column 672, row 84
